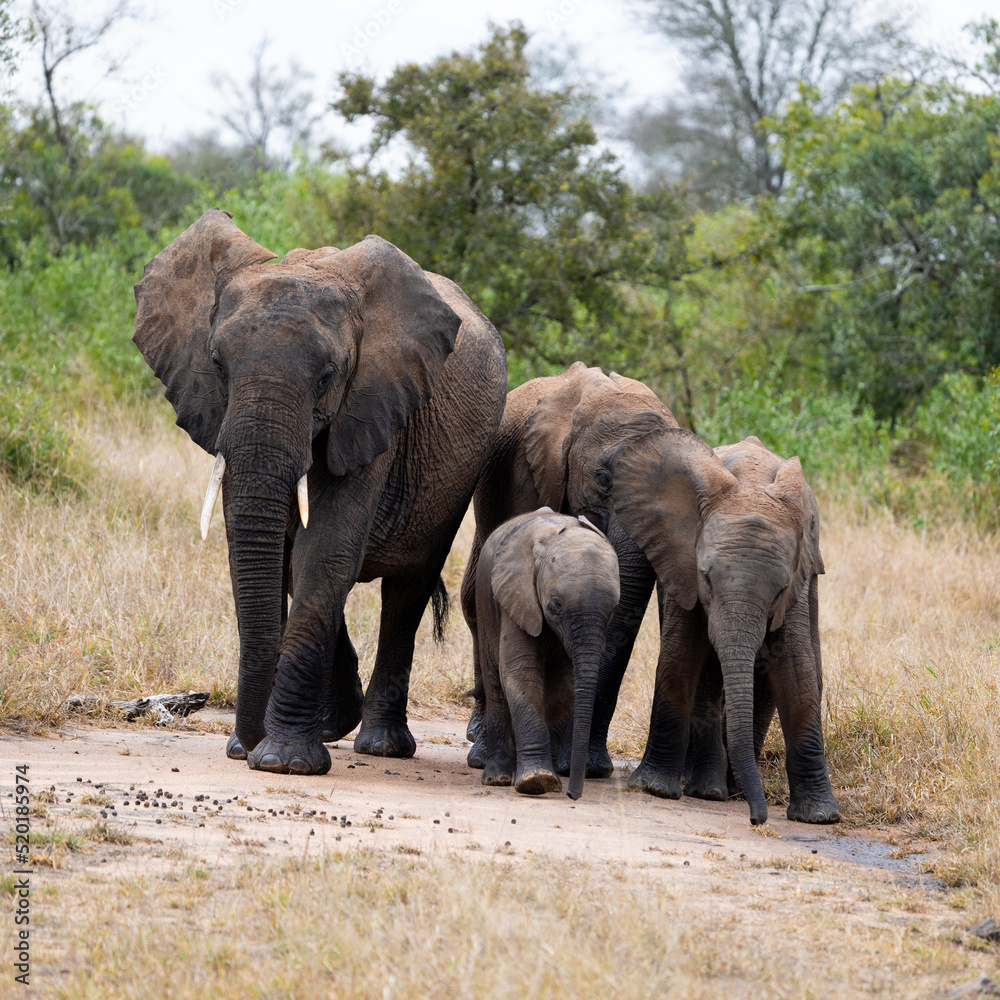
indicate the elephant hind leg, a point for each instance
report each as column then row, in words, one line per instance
column 705, row 769
column 469, row 613
column 346, row 696
column 384, row 732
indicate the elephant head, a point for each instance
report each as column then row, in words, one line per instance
column 575, row 432
column 735, row 530
column 563, row 572
column 262, row 359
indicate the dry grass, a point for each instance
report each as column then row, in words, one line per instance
column 381, row 924
column 116, row 595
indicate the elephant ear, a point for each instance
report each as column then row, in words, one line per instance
column 513, row 577
column 174, row 305
column 790, row 488
column 548, row 429
column 405, row 333
column 663, row 483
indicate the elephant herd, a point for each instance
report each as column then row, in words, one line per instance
column 355, row 405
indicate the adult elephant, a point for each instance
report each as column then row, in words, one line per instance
column 558, row 442
column 370, row 391
column 734, row 537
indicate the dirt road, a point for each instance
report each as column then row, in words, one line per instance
column 159, row 804
column 177, row 787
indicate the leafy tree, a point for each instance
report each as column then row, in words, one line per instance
column 65, row 177
column 60, row 36
column 75, row 182
column 893, row 199
column 505, row 192
column 744, row 60
column 11, row 31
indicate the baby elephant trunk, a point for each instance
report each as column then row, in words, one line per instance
column 587, row 653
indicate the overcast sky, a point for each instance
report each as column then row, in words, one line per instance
column 165, row 89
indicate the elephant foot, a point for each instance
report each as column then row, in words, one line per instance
column 498, row 771
column 537, row 781
column 345, row 712
column 820, row 809
column 646, row 778
column 477, row 754
column 385, row 739
column 476, row 721
column 599, row 763
column 339, row 722
column 707, row 785
column 234, row 749
column 291, row 756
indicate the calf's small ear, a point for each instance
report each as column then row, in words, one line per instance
column 513, row 579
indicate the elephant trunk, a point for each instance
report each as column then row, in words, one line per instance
column 587, row 654
column 260, row 487
column 737, row 630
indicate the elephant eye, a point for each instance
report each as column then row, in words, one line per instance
column 555, row 606
column 324, row 380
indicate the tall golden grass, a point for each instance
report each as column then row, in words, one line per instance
column 113, row 593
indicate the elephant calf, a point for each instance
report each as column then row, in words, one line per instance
column 546, row 588
column 734, row 537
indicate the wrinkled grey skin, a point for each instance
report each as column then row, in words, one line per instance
column 382, row 382
column 547, row 586
column 557, row 446
column 734, row 538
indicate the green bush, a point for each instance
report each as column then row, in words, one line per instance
column 840, row 444
column 37, row 448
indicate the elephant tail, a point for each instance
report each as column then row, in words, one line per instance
column 441, row 606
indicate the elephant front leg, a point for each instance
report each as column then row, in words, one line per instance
column 705, row 770
column 523, row 679
column 297, row 707
column 795, row 682
column 499, row 756
column 637, row 579
column 683, row 649
column 316, row 691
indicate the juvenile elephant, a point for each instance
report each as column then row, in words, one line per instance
column 364, row 388
column 556, row 447
column 734, row 537
column 546, row 588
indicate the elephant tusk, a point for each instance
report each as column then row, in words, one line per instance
column 303, row 491
column 212, row 495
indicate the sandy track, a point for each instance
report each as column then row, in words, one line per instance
column 430, row 803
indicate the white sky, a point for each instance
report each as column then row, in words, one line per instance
column 164, row 90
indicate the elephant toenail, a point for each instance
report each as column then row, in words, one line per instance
column 272, row 762
column 299, row 765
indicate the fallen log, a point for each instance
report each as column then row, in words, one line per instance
column 164, row 706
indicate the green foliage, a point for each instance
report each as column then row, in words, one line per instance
column 37, row 449
column 894, row 199
column 841, row 445
column 73, row 182
column 505, row 193
column 853, row 320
